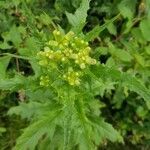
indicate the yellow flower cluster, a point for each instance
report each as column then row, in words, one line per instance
column 72, row 77
column 44, row 81
column 68, row 51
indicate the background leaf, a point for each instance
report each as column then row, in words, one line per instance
column 78, row 19
column 4, row 62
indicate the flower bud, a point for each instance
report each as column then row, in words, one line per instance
column 53, row 43
column 82, row 66
column 77, row 82
column 43, row 62
column 82, row 42
column 63, row 59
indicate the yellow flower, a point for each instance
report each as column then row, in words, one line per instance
column 82, row 66
column 70, row 52
column 44, row 81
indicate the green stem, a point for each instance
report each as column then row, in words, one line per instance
column 67, row 121
column 16, row 56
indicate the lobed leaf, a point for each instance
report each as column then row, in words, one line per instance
column 4, row 61
column 98, row 29
column 32, row 134
column 78, row 19
column 124, row 79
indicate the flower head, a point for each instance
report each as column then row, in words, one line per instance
column 63, row 52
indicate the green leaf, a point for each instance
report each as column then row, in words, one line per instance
column 111, row 62
column 145, row 26
column 13, row 83
column 140, row 60
column 124, row 79
column 123, row 55
column 119, row 53
column 135, row 85
column 31, row 47
column 32, row 109
column 32, row 134
column 92, row 129
column 111, row 28
column 2, row 130
column 16, row 2
column 13, row 35
column 45, row 19
column 27, row 110
column 147, row 49
column 85, row 141
column 118, row 97
column 97, row 29
column 141, row 112
column 137, row 34
column 127, row 8
column 106, row 130
column 99, row 87
column 5, row 45
column 78, row 19
column 36, row 68
column 4, row 61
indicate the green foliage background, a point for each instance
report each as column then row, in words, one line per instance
column 119, row 34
